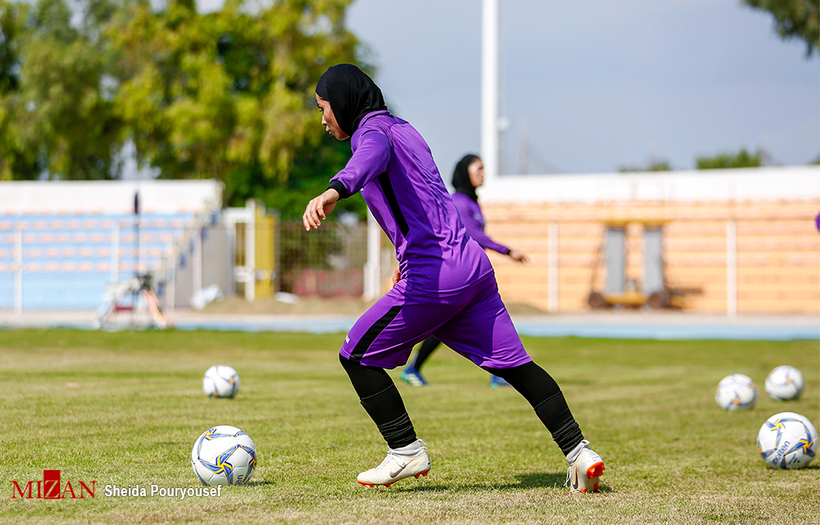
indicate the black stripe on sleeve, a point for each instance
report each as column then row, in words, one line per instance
column 390, row 195
column 339, row 187
column 372, row 333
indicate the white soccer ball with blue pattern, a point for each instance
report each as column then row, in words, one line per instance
column 736, row 392
column 220, row 381
column 784, row 383
column 223, row 455
column 787, row 440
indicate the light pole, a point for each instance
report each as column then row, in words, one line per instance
column 490, row 90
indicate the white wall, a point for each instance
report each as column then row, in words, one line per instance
column 769, row 183
column 107, row 197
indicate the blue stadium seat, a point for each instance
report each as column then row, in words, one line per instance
column 67, row 258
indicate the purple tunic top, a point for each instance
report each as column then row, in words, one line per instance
column 473, row 220
column 394, row 169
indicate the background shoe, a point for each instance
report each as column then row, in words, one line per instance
column 398, row 464
column 496, row 382
column 412, row 376
column 583, row 473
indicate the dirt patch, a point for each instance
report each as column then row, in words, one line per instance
column 270, row 306
column 347, row 307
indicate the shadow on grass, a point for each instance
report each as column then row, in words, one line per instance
column 542, row 480
column 259, row 483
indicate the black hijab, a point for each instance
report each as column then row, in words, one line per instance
column 461, row 177
column 351, row 93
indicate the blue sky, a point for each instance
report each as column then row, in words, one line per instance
column 597, row 85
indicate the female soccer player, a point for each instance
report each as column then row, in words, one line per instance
column 447, row 286
column 467, row 177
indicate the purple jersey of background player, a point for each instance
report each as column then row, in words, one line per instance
column 436, row 256
column 473, row 220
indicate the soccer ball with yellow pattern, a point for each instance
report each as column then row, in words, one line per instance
column 784, row 383
column 787, row 440
column 223, row 455
column 736, row 392
column 220, row 381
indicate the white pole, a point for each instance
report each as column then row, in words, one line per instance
column 490, row 90
column 553, row 268
column 250, row 252
column 18, row 278
column 372, row 268
column 731, row 268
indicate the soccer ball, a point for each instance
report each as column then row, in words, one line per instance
column 787, row 440
column 223, row 455
column 784, row 383
column 736, row 392
column 220, row 381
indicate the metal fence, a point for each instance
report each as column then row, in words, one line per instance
column 328, row 262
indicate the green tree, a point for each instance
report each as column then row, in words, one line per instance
column 12, row 17
column 15, row 158
column 743, row 159
column 226, row 95
column 230, row 95
column 56, row 119
column 659, row 165
column 794, row 19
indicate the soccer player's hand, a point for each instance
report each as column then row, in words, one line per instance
column 396, row 276
column 517, row 256
column 319, row 208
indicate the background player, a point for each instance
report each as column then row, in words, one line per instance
column 467, row 177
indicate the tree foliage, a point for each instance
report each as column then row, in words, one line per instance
column 226, row 95
column 742, row 159
column 794, row 19
column 55, row 117
column 655, row 165
column 15, row 160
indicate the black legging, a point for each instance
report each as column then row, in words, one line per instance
column 382, row 401
column 546, row 398
column 427, row 347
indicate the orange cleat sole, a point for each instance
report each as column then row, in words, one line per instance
column 594, row 472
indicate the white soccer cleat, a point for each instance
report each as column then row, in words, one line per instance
column 411, row 460
column 584, row 471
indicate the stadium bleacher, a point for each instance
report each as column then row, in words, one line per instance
column 63, row 243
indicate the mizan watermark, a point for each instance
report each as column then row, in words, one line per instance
column 52, row 486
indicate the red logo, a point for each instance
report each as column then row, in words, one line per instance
column 50, row 487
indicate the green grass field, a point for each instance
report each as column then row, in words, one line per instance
column 125, row 408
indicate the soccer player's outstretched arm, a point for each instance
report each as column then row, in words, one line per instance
column 319, row 208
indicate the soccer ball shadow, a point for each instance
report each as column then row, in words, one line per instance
column 258, row 483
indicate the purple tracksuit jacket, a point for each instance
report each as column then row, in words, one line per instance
column 403, row 189
column 448, row 286
column 473, row 219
